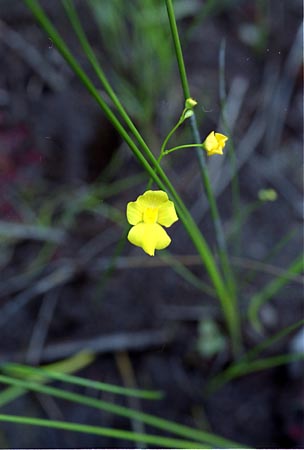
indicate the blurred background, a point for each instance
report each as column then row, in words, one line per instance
column 68, row 278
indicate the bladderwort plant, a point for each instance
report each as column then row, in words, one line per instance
column 148, row 216
column 140, row 149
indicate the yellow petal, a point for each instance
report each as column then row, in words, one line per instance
column 221, row 138
column 149, row 237
column 134, row 213
column 152, row 199
column 215, row 151
column 167, row 214
column 210, row 142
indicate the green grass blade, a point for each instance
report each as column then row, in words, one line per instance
column 10, row 394
column 270, row 290
column 244, row 368
column 149, row 419
column 100, row 431
column 68, row 365
column 20, row 370
column 266, row 343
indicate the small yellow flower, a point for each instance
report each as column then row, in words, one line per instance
column 214, row 143
column 148, row 214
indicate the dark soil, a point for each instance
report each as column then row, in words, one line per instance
column 55, row 143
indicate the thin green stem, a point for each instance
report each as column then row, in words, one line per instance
column 180, row 147
column 166, row 140
column 197, row 139
column 178, row 49
column 207, row 185
column 101, row 431
column 164, row 144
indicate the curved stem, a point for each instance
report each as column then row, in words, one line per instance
column 163, row 147
column 162, row 150
column 180, row 147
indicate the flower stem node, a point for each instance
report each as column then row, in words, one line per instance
column 190, row 103
column 214, row 143
column 149, row 214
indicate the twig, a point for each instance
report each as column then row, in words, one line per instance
column 189, row 313
column 139, row 262
column 41, row 328
column 127, row 373
column 138, row 341
column 56, row 278
column 68, row 270
column 88, row 251
column 32, row 57
column 21, row 231
column 98, row 243
column 15, row 284
column 279, row 106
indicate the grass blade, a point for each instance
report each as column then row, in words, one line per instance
column 244, row 368
column 266, row 343
column 270, row 290
column 20, row 370
column 149, row 419
column 100, row 431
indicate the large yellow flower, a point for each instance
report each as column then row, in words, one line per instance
column 149, row 214
column 214, row 143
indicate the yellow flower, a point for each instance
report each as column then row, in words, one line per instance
column 148, row 214
column 214, row 143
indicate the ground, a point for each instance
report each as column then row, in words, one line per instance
column 62, row 165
